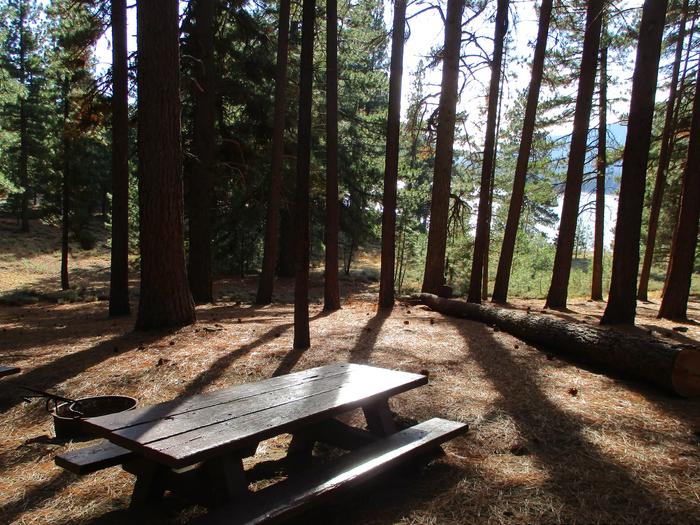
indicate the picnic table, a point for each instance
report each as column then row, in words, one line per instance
column 199, row 442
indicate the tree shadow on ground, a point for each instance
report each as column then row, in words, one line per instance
column 580, row 474
column 34, row 327
column 292, row 357
column 35, row 497
column 219, row 367
column 68, row 366
column 364, row 346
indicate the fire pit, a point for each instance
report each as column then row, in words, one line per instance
column 67, row 414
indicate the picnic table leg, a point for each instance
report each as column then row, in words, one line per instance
column 301, row 448
column 149, row 484
column 227, row 478
column 380, row 420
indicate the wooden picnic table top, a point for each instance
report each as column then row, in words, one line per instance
column 186, row 431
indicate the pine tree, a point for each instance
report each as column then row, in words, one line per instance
column 670, row 122
column 558, row 290
column 165, row 298
column 433, row 279
column 267, row 274
column 21, row 58
column 391, row 167
column 74, row 30
column 301, row 286
column 505, row 261
column 119, row 267
column 483, row 220
column 622, row 301
column 674, row 304
column 202, row 174
column 601, row 168
column 331, row 287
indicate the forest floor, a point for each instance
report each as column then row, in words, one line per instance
column 550, row 441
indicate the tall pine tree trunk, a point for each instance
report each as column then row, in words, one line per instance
column 492, row 182
column 23, row 163
column 204, row 141
column 165, row 298
column 66, row 187
column 483, row 219
column 433, row 278
column 676, row 207
column 558, row 290
column 119, row 267
column 331, row 287
column 601, row 168
column 267, row 274
column 505, row 261
column 622, row 301
column 391, row 166
column 301, row 286
column 664, row 160
column 675, row 301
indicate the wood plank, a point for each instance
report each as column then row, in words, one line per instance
column 150, row 482
column 296, row 494
column 227, row 395
column 8, row 370
column 206, row 442
column 93, row 458
column 192, row 446
column 194, row 420
column 380, row 420
column 226, row 478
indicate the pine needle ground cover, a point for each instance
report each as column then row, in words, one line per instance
column 549, row 442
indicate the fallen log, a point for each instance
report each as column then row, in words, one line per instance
column 674, row 367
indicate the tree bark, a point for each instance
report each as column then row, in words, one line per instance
column 23, row 163
column 204, row 142
column 301, row 286
column 119, row 266
column 433, row 278
column 267, row 274
column 664, row 160
column 675, row 368
column 391, row 166
column 331, row 286
column 165, row 298
column 66, row 187
column 487, row 240
column 676, row 207
column 492, row 183
column 601, row 168
column 622, row 300
column 483, row 219
column 558, row 290
column 675, row 301
column 505, row 262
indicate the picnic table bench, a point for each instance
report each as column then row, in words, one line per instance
column 197, row 444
